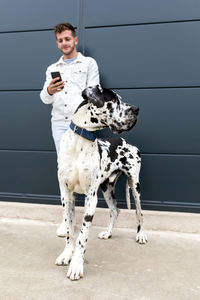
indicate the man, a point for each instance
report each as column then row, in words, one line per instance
column 77, row 73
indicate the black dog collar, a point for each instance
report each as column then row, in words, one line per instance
column 89, row 135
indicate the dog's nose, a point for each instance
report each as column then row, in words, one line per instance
column 135, row 110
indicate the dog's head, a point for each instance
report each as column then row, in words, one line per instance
column 110, row 110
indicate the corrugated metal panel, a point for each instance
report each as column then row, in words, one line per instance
column 116, row 12
column 26, row 122
column 36, row 15
column 159, row 55
column 28, row 172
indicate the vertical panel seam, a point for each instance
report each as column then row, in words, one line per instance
column 80, row 26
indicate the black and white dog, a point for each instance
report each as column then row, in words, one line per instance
column 85, row 163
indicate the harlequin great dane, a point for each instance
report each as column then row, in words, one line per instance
column 85, row 163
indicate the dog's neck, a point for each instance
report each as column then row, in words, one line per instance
column 87, row 120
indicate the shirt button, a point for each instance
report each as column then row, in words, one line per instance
column 65, row 105
column 66, row 118
column 65, row 92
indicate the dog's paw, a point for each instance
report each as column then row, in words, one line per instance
column 64, row 258
column 75, row 271
column 104, row 235
column 141, row 237
column 61, row 231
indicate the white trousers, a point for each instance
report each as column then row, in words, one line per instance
column 58, row 128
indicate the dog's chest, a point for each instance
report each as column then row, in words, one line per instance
column 77, row 162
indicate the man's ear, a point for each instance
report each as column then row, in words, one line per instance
column 94, row 95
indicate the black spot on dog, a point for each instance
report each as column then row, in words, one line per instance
column 100, row 151
column 126, row 168
column 109, row 107
column 114, row 143
column 94, row 120
column 88, row 218
column 138, row 228
column 130, row 156
column 109, row 95
column 104, row 185
column 123, row 160
column 138, row 187
column 107, row 168
column 63, row 204
column 125, row 149
column 138, row 153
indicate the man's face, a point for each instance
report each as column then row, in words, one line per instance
column 66, row 42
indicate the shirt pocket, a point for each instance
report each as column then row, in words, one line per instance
column 80, row 77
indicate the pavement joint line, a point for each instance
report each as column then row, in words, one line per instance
column 164, row 233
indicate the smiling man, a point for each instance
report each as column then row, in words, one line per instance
column 77, row 72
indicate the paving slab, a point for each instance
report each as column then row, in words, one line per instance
column 167, row 267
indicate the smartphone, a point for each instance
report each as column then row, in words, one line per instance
column 56, row 74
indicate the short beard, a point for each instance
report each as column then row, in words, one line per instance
column 69, row 52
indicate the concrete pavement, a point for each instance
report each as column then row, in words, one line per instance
column 166, row 268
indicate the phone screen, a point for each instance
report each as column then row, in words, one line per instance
column 56, row 74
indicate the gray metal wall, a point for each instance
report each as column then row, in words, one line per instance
column 147, row 51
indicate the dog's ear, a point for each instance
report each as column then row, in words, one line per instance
column 94, row 95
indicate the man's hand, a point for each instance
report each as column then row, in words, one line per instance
column 55, row 87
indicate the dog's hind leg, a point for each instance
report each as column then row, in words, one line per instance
column 68, row 203
column 108, row 190
column 141, row 237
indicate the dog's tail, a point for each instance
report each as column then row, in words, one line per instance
column 128, row 200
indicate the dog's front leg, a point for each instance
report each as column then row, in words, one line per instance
column 76, row 266
column 68, row 209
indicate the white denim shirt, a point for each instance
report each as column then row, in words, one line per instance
column 77, row 75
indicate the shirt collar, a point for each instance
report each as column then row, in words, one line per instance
column 79, row 58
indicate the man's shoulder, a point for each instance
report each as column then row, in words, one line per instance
column 86, row 59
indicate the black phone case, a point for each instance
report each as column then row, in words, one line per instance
column 56, row 74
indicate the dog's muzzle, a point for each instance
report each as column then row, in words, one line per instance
column 135, row 110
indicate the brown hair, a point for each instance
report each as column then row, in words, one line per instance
column 64, row 26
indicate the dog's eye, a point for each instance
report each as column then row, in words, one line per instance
column 113, row 100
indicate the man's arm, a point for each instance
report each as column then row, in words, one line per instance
column 50, row 88
column 93, row 73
